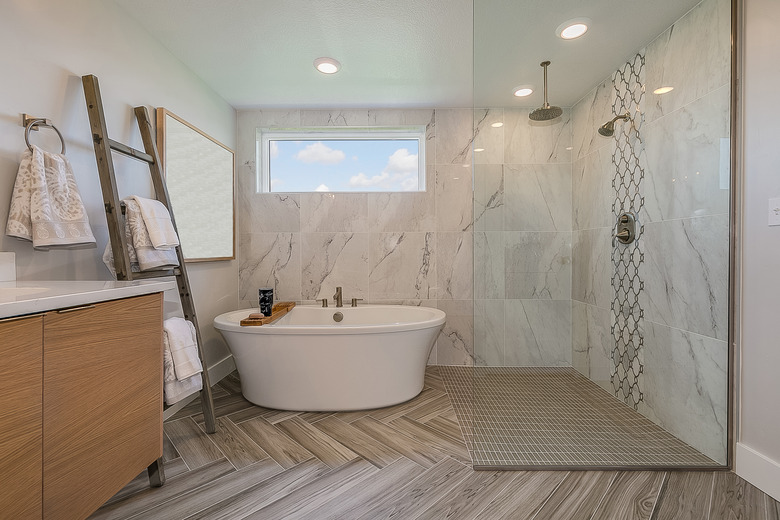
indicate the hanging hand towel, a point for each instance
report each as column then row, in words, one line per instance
column 173, row 389
column 180, row 335
column 143, row 255
column 158, row 223
column 46, row 207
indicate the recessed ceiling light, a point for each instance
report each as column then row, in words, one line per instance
column 572, row 29
column 497, row 125
column 523, row 90
column 663, row 90
column 479, row 149
column 327, row 65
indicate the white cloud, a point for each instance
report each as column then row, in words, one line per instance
column 362, row 180
column 321, row 187
column 275, row 183
column 274, row 150
column 400, row 174
column 402, row 162
column 319, row 153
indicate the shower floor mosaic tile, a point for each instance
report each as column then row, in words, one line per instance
column 527, row 418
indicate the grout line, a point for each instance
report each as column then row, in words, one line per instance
column 606, row 492
column 712, row 496
column 658, row 498
column 541, row 506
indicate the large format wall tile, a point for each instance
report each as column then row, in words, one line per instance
column 270, row 260
column 488, row 139
column 537, row 333
column 489, row 270
column 592, row 342
column 686, row 387
column 686, row 274
column 454, row 195
column 537, row 197
column 455, row 345
column 454, row 136
column 592, row 267
column 592, row 192
column 533, row 142
column 693, row 56
column 686, row 174
column 404, row 211
column 538, row 265
column 489, row 333
column 330, row 260
column 588, row 115
column 402, row 265
column 334, row 212
column 268, row 212
column 455, row 267
column 489, row 197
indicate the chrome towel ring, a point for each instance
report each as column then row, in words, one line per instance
column 41, row 122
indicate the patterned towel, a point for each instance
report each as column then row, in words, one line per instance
column 46, row 207
column 143, row 255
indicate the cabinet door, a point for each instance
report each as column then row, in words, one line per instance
column 102, row 411
column 20, row 417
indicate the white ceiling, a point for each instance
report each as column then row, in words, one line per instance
column 400, row 53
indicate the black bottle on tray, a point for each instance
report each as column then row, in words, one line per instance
column 266, row 296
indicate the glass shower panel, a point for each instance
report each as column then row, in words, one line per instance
column 601, row 251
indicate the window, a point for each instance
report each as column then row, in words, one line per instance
column 344, row 159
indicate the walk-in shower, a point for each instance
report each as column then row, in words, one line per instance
column 601, row 250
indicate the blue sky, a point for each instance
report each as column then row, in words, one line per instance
column 344, row 165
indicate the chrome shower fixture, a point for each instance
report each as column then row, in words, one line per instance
column 608, row 128
column 545, row 112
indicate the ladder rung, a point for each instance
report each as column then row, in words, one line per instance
column 130, row 152
column 161, row 273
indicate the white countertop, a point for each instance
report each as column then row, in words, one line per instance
column 19, row 298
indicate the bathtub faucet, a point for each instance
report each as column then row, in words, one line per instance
column 337, row 297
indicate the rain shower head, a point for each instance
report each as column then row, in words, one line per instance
column 608, row 128
column 545, row 112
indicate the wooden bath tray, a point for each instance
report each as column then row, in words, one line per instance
column 279, row 310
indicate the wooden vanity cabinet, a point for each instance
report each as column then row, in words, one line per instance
column 97, row 422
column 21, row 397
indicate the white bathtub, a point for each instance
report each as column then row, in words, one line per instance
column 307, row 361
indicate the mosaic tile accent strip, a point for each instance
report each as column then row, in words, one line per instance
column 627, row 284
column 547, row 417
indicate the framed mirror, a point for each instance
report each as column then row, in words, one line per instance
column 199, row 173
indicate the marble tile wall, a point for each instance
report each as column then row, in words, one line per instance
column 411, row 248
column 522, row 239
column 685, row 218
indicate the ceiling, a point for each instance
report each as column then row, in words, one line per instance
column 400, row 53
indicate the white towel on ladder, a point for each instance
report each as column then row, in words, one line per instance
column 46, row 207
column 179, row 334
column 173, row 389
column 158, row 223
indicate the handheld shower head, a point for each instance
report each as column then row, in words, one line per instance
column 608, row 128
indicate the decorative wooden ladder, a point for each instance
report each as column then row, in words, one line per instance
column 116, row 226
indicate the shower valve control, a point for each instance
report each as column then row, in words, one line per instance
column 625, row 230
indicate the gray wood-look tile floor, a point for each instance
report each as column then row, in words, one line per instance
column 404, row 462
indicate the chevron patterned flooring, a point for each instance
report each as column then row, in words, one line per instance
column 406, row 462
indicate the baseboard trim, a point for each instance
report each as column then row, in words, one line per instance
column 217, row 372
column 758, row 469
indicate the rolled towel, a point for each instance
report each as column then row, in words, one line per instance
column 46, row 207
column 158, row 223
column 179, row 334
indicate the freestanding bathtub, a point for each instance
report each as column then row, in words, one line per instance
column 308, row 361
